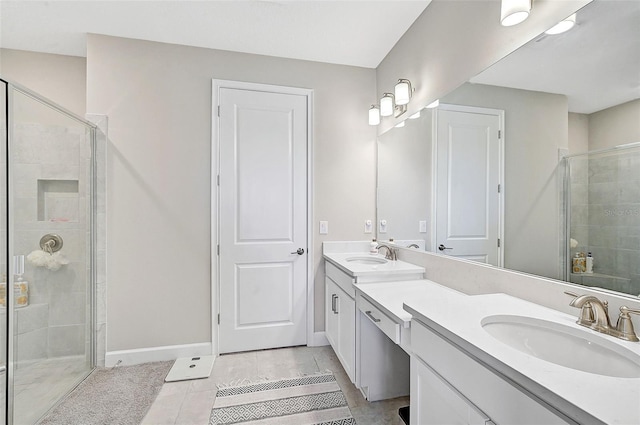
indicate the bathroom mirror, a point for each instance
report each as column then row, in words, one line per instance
column 562, row 95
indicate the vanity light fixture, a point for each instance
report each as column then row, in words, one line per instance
column 434, row 104
column 374, row 115
column 403, row 91
column 386, row 105
column 414, row 116
column 512, row 12
column 400, row 124
column 562, row 26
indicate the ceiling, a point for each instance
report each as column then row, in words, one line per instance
column 358, row 33
column 596, row 64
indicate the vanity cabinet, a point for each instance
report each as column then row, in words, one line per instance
column 340, row 313
column 449, row 386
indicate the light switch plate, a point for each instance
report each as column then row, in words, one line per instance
column 324, row 227
column 423, row 226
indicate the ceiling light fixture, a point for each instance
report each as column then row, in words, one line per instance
column 374, row 115
column 512, row 12
column 403, row 91
column 386, row 105
column 562, row 26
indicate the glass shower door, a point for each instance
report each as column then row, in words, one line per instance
column 50, row 238
column 3, row 250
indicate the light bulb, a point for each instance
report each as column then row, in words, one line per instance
column 386, row 105
column 562, row 26
column 512, row 12
column 374, row 115
column 403, row 91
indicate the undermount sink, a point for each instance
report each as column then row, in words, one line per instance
column 366, row 260
column 563, row 345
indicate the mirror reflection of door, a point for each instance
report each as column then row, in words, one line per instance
column 469, row 173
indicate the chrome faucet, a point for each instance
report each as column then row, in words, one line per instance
column 599, row 313
column 392, row 253
column 594, row 314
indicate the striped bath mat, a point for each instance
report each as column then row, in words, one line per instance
column 315, row 399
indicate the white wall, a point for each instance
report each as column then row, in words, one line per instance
column 453, row 41
column 618, row 125
column 59, row 78
column 158, row 99
column 578, row 133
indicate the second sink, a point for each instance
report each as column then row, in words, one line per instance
column 366, row 260
column 563, row 345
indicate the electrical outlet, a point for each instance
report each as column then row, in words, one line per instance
column 383, row 226
column 368, row 226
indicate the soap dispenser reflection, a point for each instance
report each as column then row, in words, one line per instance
column 589, row 263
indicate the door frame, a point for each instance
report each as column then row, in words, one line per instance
column 216, row 85
column 434, row 164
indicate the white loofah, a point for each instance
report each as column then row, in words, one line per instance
column 52, row 262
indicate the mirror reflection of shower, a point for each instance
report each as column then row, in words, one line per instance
column 603, row 211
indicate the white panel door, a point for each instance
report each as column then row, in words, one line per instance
column 262, row 219
column 467, row 193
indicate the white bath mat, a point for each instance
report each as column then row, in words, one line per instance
column 186, row 368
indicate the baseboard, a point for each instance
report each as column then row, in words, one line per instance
column 157, row 354
column 318, row 339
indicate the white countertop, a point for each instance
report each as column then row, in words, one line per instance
column 391, row 296
column 339, row 259
column 458, row 317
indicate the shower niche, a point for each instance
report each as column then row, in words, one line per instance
column 58, row 200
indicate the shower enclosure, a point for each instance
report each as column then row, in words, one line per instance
column 603, row 199
column 46, row 253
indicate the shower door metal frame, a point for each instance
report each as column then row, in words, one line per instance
column 10, row 88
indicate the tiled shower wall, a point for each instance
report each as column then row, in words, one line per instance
column 605, row 213
column 48, row 160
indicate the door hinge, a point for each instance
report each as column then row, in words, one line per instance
column 218, row 249
column 218, row 318
column 498, row 242
column 218, row 179
column 218, row 110
column 499, row 188
column 499, row 131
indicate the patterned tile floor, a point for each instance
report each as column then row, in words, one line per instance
column 190, row 402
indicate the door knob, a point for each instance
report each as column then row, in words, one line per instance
column 442, row 247
column 299, row 251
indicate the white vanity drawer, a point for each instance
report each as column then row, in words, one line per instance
column 341, row 279
column 381, row 320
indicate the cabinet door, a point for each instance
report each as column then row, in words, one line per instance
column 330, row 313
column 435, row 402
column 347, row 331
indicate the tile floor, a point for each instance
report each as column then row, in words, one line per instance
column 45, row 381
column 190, row 402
